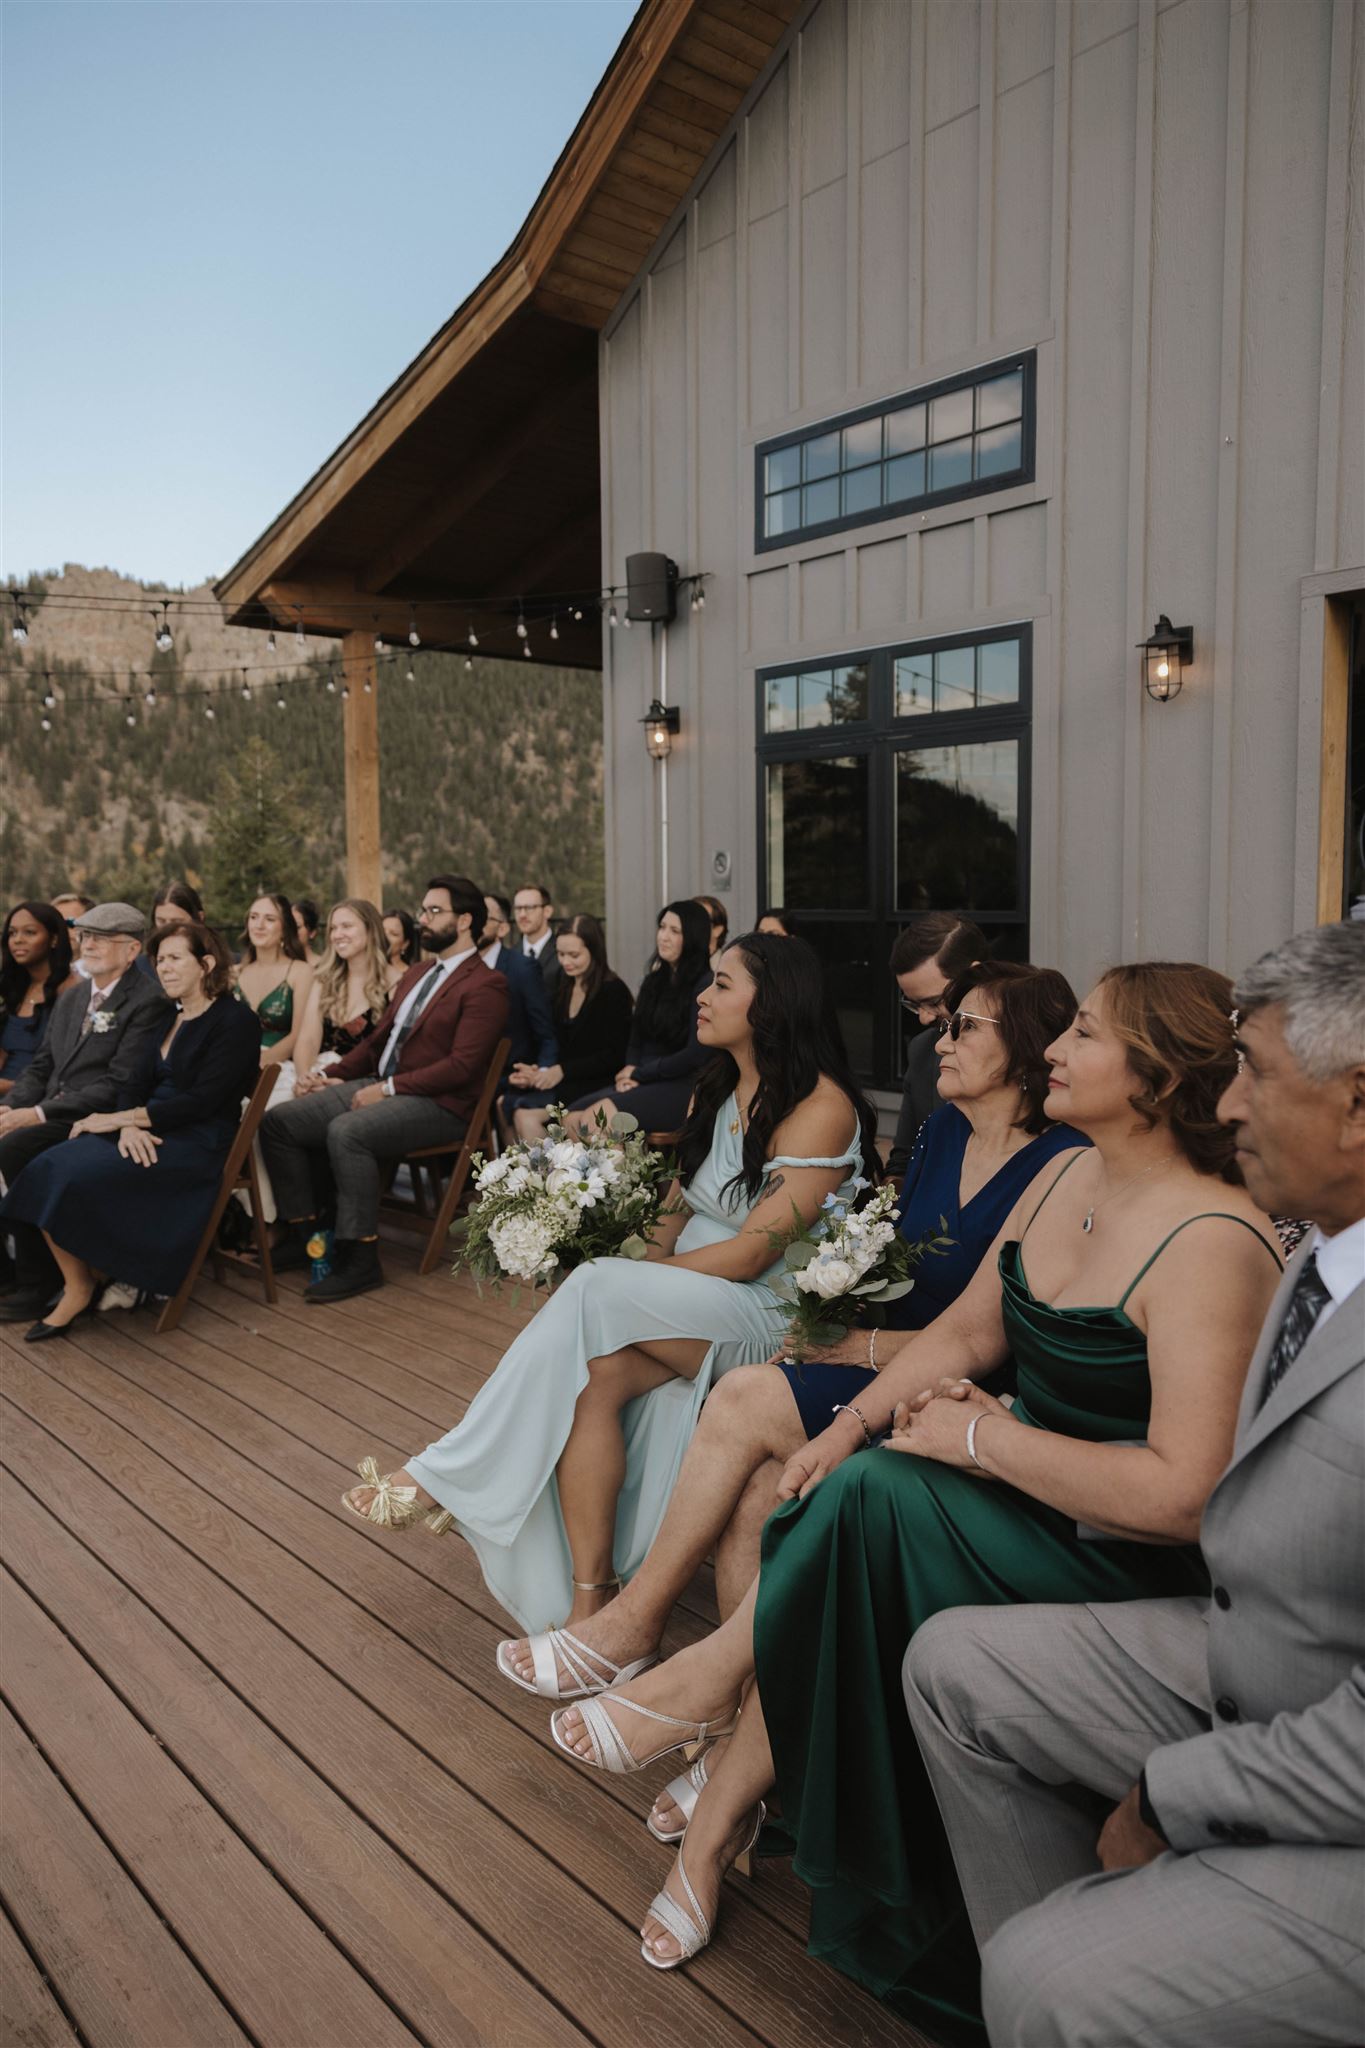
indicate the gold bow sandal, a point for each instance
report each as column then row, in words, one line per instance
column 393, row 1507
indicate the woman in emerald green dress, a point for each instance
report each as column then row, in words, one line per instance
column 1130, row 1294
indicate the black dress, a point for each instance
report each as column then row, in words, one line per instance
column 142, row 1224
column 664, row 1073
column 592, row 1051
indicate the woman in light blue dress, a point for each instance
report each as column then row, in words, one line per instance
column 560, row 1472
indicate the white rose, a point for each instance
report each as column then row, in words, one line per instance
column 828, row 1278
column 490, row 1175
column 565, row 1155
column 558, row 1179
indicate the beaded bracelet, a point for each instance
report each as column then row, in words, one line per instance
column 852, row 1408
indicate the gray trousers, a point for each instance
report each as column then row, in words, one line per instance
column 1033, row 1723
column 322, row 1129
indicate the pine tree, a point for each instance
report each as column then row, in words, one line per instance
column 262, row 825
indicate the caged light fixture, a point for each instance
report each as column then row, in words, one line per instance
column 661, row 722
column 1165, row 652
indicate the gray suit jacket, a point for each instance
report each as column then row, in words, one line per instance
column 1277, row 1658
column 71, row 1076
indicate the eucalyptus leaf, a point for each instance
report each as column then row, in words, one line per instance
column 623, row 1123
column 798, row 1256
column 894, row 1289
column 634, row 1248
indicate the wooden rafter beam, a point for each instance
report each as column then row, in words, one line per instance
column 439, row 512
column 540, row 565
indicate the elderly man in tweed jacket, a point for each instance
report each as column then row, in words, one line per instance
column 96, row 1036
column 1222, row 1902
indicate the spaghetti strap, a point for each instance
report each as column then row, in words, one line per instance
column 1078, row 1153
column 1204, row 1216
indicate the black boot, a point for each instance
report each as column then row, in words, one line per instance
column 355, row 1270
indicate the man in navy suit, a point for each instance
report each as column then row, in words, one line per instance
column 530, row 1025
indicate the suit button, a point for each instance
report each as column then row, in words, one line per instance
column 1221, row 1830
column 1222, row 1598
column 1226, row 1709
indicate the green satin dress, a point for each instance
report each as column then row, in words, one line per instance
column 848, row 1575
column 275, row 1014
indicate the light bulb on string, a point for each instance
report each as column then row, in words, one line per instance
column 130, row 718
column 46, row 724
column 468, row 665
column 209, row 711
column 299, row 637
column 612, row 619
column 578, row 616
column 345, row 693
column 411, row 674
column 378, row 644
column 150, row 697
column 554, row 629
column 270, row 641
column 164, row 640
column 281, row 702
column 19, row 630
column 369, row 687
column 49, row 698
column 473, row 636
column 521, row 627
column 414, row 637
column 526, row 649
column 629, row 621
column 331, row 685
column 701, row 598
column 246, row 689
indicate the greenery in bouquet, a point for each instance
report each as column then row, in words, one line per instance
column 545, row 1208
column 848, row 1267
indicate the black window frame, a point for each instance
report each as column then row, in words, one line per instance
column 882, row 736
column 1026, row 361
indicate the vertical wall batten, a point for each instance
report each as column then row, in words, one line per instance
column 1229, row 410
column 1345, row 24
column 987, row 115
column 1139, row 413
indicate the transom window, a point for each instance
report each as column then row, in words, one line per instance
column 949, row 440
column 892, row 783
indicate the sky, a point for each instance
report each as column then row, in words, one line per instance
column 228, row 225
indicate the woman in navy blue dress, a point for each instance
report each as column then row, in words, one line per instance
column 972, row 1161
column 131, row 1191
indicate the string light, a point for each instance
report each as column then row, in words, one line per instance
column 345, row 693
column 612, row 619
column 164, row 639
column 299, row 637
column 414, row 637
column 332, row 684
column 378, row 643
column 578, row 616
column 521, row 627
column 246, row 689
column 46, row 724
column 18, row 632
column 468, row 665
column 131, row 718
column 209, row 711
column 473, row 636
column 281, row 702
column 48, row 698
column 369, row 688
column 526, row 649
column 150, row 697
column 270, row 641
column 554, row 628
column 411, row 674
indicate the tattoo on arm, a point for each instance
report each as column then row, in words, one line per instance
column 776, row 1181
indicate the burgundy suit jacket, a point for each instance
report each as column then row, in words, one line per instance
column 447, row 1051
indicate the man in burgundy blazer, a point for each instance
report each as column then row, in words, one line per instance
column 412, row 1082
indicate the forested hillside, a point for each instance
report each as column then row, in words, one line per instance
column 495, row 772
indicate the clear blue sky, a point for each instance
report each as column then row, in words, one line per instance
column 229, row 224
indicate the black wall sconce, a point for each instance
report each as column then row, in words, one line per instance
column 1164, row 654
column 661, row 722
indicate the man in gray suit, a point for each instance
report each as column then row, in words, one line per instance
column 1221, row 1904
column 98, row 1033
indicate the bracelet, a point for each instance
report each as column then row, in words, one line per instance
column 852, row 1408
column 872, row 1349
column 972, row 1428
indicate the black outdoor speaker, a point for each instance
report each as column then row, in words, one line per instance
column 651, row 588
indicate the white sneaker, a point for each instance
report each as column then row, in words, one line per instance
column 118, row 1294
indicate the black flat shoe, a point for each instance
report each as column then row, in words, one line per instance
column 42, row 1333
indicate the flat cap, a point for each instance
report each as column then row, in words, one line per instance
column 112, row 921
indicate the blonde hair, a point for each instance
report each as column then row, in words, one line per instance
column 333, row 973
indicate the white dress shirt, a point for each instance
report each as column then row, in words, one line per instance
column 1341, row 1266
column 535, row 947
column 447, row 968
column 97, row 997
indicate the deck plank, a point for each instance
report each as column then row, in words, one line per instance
column 328, row 1691
column 122, row 1974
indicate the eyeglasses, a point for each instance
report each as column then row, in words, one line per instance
column 538, row 904
column 919, row 1004
column 963, row 1020
column 425, row 912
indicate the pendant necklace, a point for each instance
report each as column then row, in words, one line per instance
column 741, row 1119
column 1088, row 1223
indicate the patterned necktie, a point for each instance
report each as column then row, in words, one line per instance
column 425, row 989
column 88, row 1021
column 1310, row 1297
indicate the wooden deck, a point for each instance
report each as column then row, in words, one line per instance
column 262, row 1782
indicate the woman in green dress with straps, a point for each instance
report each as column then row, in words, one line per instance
column 1130, row 1296
column 273, row 976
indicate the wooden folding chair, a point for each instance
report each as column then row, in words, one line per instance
column 416, row 1215
column 239, row 1171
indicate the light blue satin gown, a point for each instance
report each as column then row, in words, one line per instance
column 495, row 1471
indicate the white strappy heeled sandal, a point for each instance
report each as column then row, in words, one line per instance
column 684, row 1791
column 611, row 1753
column 691, row 1934
column 586, row 1668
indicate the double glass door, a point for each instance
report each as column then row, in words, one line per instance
column 890, row 784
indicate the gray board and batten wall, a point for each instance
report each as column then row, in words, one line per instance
column 991, row 330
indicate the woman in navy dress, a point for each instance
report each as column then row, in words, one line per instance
column 131, row 1191
column 35, row 968
column 664, row 1053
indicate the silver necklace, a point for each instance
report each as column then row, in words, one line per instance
column 1088, row 1223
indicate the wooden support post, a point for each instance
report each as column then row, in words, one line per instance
column 364, row 868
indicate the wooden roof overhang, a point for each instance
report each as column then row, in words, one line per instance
column 474, row 482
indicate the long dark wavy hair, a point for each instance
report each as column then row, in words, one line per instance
column 796, row 1039
column 14, row 978
column 588, row 929
column 663, row 1008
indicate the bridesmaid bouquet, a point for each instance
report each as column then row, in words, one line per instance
column 853, row 1257
column 543, row 1209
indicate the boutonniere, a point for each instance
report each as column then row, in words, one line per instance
column 104, row 1020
